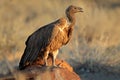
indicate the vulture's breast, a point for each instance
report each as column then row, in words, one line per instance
column 60, row 36
column 57, row 42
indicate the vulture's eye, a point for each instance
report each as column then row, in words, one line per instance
column 75, row 8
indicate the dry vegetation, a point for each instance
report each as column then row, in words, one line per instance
column 95, row 42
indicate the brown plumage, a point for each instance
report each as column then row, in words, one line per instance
column 49, row 38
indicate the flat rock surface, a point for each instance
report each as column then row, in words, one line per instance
column 58, row 62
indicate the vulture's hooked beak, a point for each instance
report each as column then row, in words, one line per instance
column 80, row 9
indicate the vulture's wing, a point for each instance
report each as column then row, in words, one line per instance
column 37, row 41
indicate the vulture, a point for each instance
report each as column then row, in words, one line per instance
column 49, row 38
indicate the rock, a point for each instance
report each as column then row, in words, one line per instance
column 39, row 72
column 49, row 73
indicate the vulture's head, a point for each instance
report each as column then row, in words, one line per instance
column 73, row 9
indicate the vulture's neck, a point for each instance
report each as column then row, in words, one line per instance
column 71, row 19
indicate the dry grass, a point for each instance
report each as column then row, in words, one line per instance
column 96, row 36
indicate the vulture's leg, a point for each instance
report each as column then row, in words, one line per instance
column 54, row 55
column 45, row 57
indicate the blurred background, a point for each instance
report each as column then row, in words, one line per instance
column 95, row 44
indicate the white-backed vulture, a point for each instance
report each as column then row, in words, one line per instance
column 49, row 38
